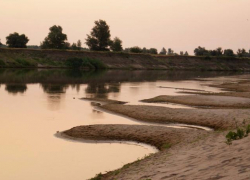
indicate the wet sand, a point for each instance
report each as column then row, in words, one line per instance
column 203, row 101
column 213, row 118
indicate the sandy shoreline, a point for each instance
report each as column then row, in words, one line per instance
column 203, row 101
column 138, row 133
column 194, row 154
column 214, row 118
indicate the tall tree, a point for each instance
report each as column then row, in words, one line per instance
column 241, row 52
column 17, row 41
column 229, row 52
column 170, row 51
column 163, row 51
column 56, row 39
column 186, row 53
column 153, row 51
column 201, row 51
column 99, row 38
column 74, row 47
column 116, row 45
column 144, row 50
column 79, row 44
column 219, row 51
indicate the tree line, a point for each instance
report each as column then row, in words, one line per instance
column 99, row 39
column 202, row 51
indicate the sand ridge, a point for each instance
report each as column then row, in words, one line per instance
column 203, row 101
column 213, row 118
column 153, row 135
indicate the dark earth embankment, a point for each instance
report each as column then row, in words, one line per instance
column 57, row 58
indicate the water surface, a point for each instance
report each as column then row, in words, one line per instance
column 35, row 104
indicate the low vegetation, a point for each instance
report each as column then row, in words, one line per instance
column 97, row 177
column 239, row 134
column 84, row 63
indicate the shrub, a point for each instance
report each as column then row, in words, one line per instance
column 135, row 49
column 166, row 146
column 96, row 63
column 239, row 134
column 79, row 63
column 207, row 58
column 2, row 63
column 24, row 62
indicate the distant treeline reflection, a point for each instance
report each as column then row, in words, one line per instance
column 99, row 83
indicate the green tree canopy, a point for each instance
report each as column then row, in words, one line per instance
column 99, row 38
column 55, row 39
column 170, row 51
column 116, row 45
column 135, row 49
column 228, row 52
column 74, row 47
column 17, row 41
column 241, row 52
column 153, row 51
column 79, row 44
column 200, row 51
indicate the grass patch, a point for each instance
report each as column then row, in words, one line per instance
column 97, row 177
column 117, row 172
column 166, row 146
column 24, row 62
column 239, row 134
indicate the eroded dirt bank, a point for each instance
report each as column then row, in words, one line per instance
column 56, row 58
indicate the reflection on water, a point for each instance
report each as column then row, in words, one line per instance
column 38, row 103
column 101, row 90
column 16, row 88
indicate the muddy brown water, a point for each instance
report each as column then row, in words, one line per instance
column 35, row 104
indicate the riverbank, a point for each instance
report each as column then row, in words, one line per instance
column 29, row 58
column 202, row 155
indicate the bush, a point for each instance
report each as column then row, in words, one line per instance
column 24, row 62
column 2, row 63
column 135, row 49
column 79, row 63
column 239, row 134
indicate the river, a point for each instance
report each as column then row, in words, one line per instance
column 35, row 104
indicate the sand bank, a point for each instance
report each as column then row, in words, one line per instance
column 203, row 101
column 160, row 137
column 213, row 118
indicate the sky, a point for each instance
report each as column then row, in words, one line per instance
column 181, row 25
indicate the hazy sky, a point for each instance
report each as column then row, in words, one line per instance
column 179, row 24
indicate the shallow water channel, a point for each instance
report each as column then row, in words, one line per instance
column 35, row 104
